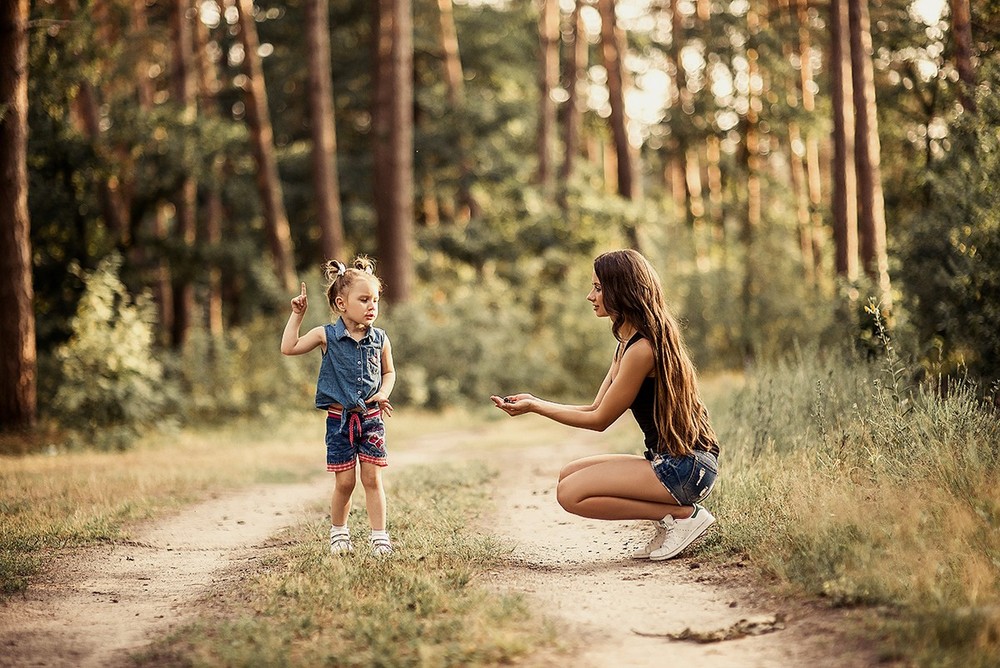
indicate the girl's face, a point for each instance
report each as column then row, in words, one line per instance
column 360, row 304
column 596, row 297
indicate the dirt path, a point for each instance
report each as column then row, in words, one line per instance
column 93, row 608
column 619, row 609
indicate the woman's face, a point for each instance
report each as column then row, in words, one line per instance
column 596, row 297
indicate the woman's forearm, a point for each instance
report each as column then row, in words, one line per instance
column 583, row 417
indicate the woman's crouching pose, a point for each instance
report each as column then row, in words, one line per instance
column 652, row 375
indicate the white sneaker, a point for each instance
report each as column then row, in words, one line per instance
column 656, row 542
column 682, row 533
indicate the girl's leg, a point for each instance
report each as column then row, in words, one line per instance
column 617, row 487
column 371, row 479
column 340, row 503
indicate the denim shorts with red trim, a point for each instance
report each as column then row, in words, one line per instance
column 352, row 437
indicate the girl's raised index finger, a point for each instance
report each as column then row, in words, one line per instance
column 303, row 293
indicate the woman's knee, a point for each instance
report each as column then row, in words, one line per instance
column 568, row 496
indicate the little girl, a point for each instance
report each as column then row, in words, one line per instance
column 356, row 377
column 652, row 375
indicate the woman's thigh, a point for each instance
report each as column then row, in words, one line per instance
column 584, row 462
column 617, row 476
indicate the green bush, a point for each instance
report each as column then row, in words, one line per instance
column 111, row 381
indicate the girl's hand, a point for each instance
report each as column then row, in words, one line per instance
column 383, row 403
column 514, row 404
column 301, row 302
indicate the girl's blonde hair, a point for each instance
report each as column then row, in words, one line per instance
column 340, row 277
column 633, row 295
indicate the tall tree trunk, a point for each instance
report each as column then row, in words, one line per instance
column 214, row 211
column 961, row 30
column 572, row 117
column 548, row 78
column 468, row 207
column 279, row 236
column 393, row 124
column 611, row 48
column 871, row 204
column 162, row 291
column 18, row 366
column 810, row 140
column 751, row 164
column 326, row 178
column 796, row 152
column 801, row 192
column 845, row 199
column 185, row 200
column 713, row 156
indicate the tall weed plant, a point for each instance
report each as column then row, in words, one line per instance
column 857, row 482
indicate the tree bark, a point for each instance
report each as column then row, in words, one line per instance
column 326, row 177
column 548, row 78
column 455, row 79
column 393, row 124
column 279, row 237
column 185, row 200
column 214, row 211
column 961, row 29
column 611, row 50
column 871, row 203
column 810, row 140
column 845, row 202
column 18, row 365
column 572, row 116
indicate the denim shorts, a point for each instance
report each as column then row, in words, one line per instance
column 689, row 479
column 352, row 437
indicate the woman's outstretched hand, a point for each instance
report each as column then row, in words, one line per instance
column 513, row 404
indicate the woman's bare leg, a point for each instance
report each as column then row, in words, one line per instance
column 584, row 462
column 616, row 487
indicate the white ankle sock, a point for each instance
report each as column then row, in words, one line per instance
column 380, row 534
column 337, row 529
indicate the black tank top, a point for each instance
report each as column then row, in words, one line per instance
column 642, row 406
column 643, row 410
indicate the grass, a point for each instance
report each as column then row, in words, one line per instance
column 67, row 498
column 852, row 483
column 421, row 607
column 861, row 486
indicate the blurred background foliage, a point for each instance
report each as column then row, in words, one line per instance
column 499, row 304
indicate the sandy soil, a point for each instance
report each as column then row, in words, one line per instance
column 95, row 607
column 626, row 612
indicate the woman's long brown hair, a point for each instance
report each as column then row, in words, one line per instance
column 633, row 295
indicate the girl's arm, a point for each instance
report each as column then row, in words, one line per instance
column 291, row 342
column 613, row 399
column 388, row 381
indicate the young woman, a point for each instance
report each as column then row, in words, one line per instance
column 356, row 377
column 652, row 375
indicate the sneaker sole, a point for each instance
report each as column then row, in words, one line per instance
column 692, row 537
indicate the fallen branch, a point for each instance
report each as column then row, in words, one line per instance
column 741, row 629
